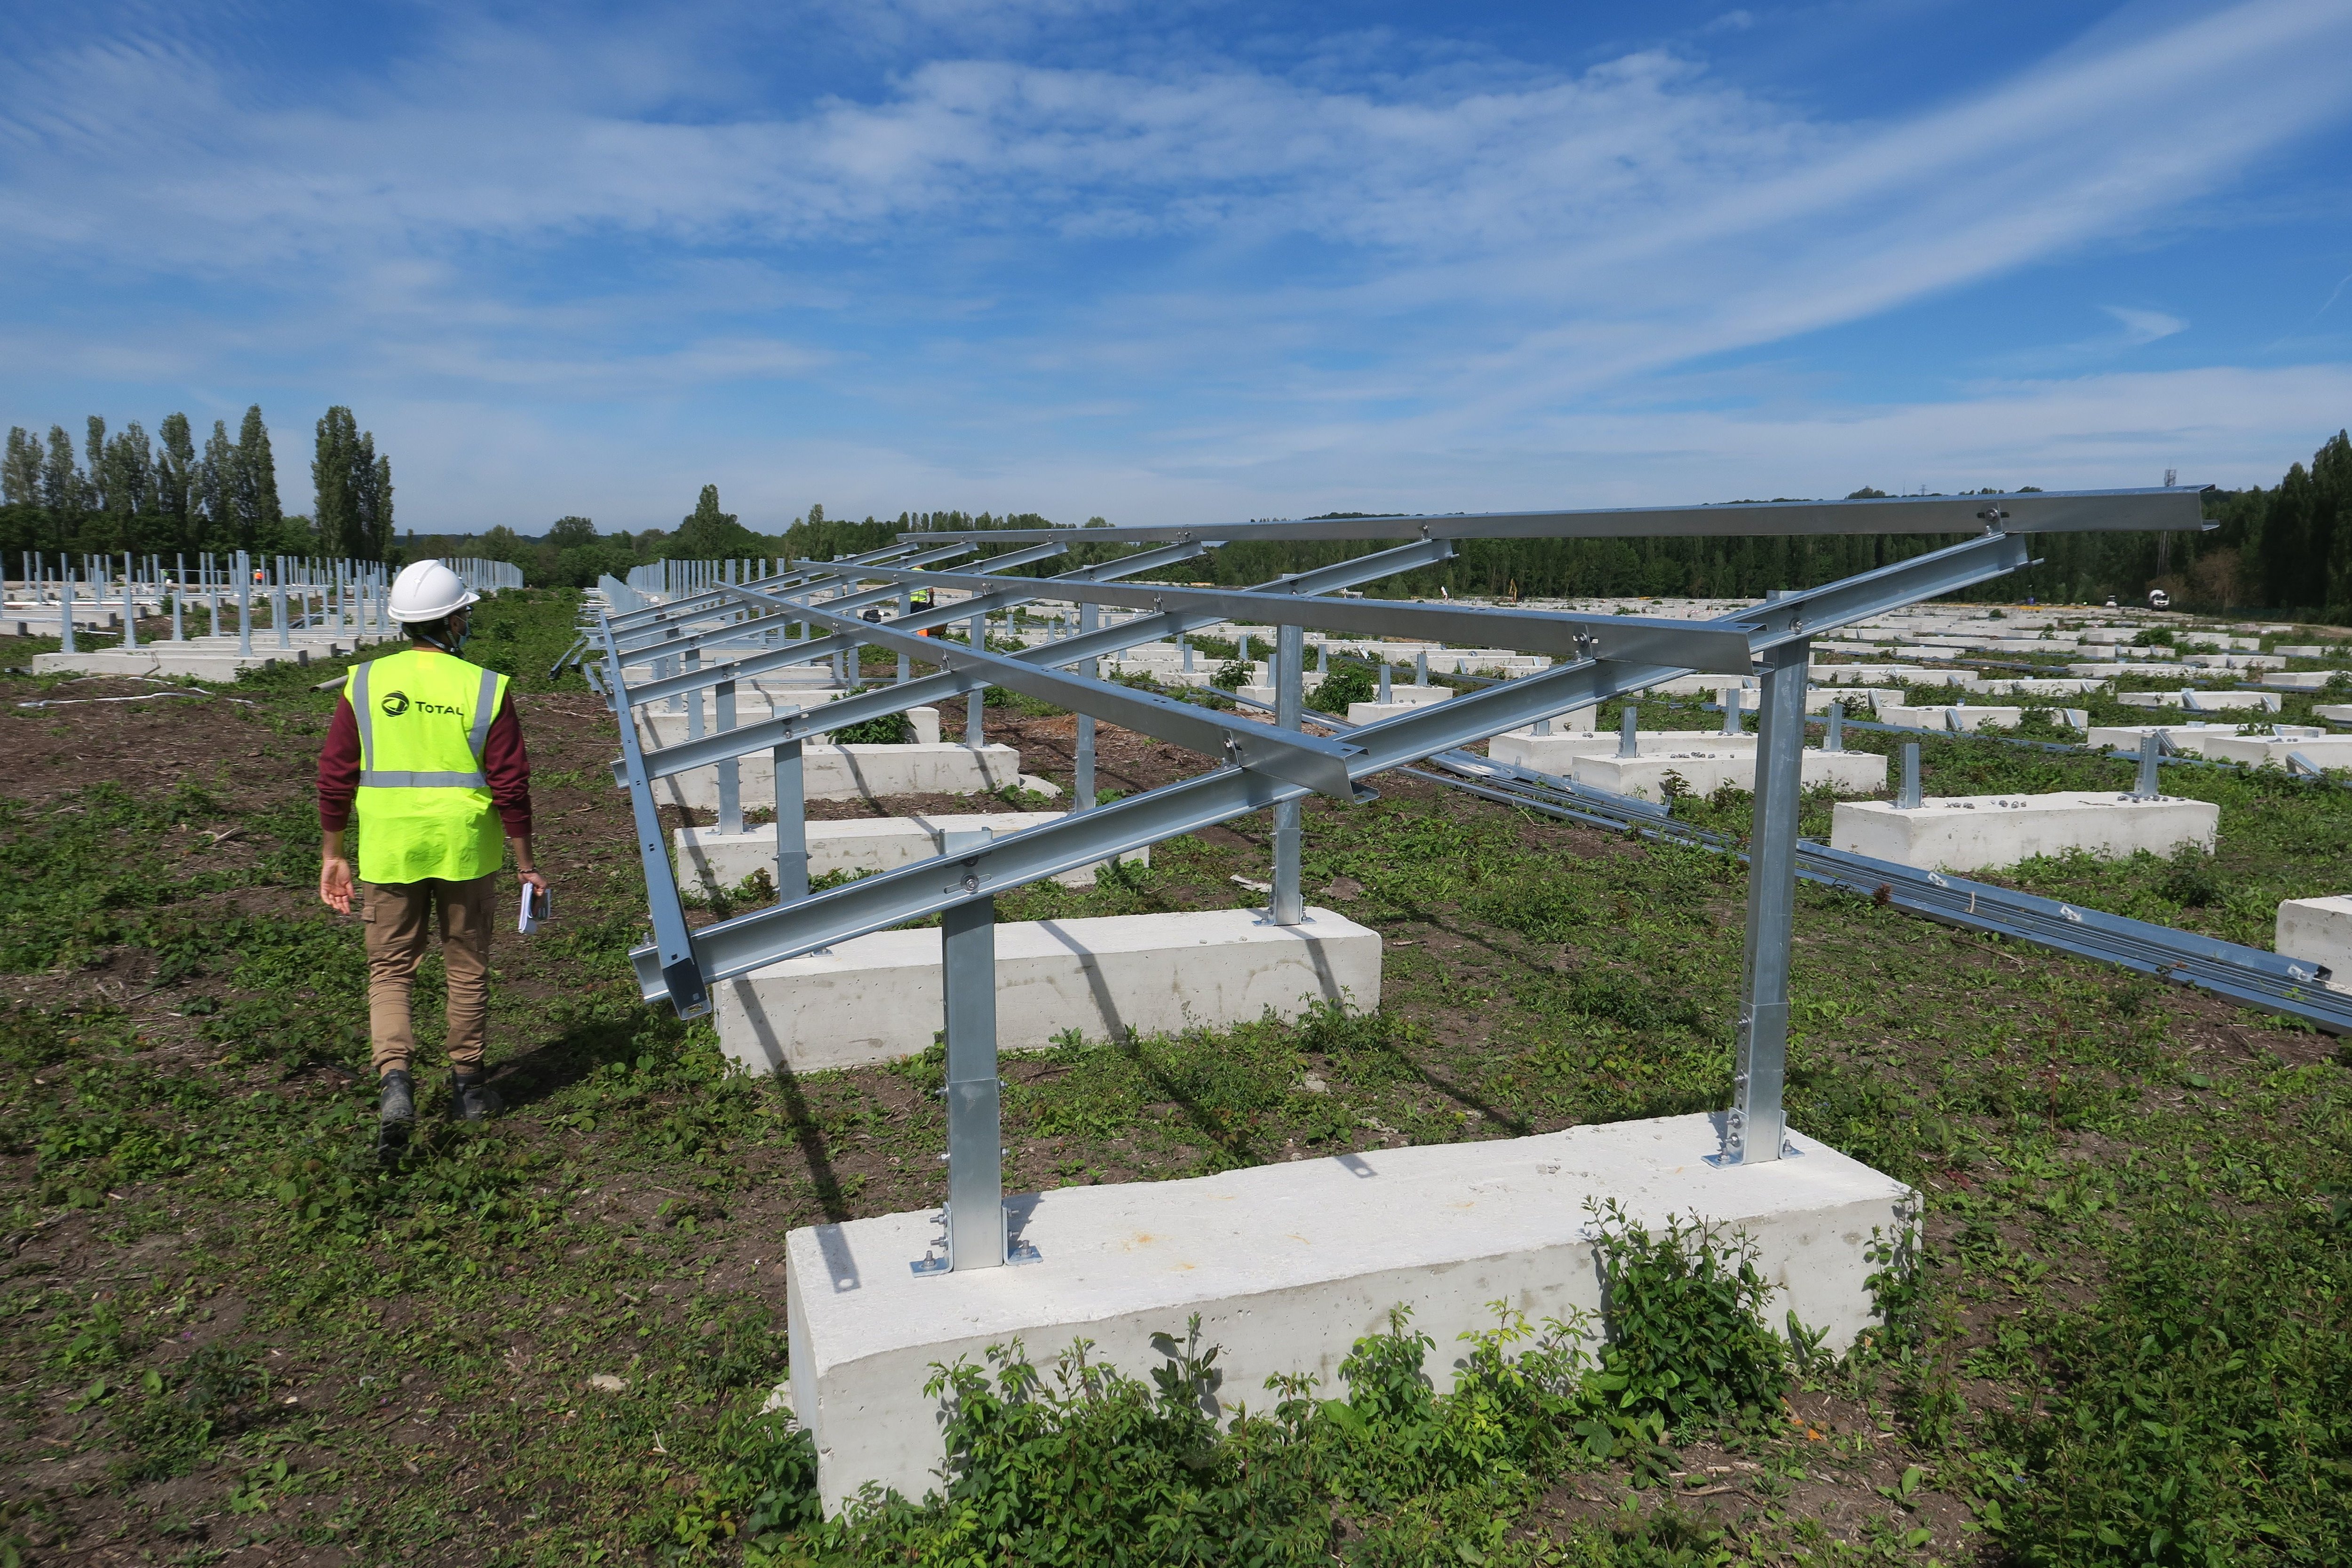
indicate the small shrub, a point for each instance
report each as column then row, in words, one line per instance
column 2191, row 881
column 882, row 729
column 1684, row 1312
column 1348, row 683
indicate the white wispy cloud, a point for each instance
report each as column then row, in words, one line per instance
column 1228, row 267
column 2145, row 326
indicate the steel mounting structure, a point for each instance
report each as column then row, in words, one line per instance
column 723, row 632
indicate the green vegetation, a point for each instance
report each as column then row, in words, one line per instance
column 165, row 496
column 1347, row 682
column 2123, row 1336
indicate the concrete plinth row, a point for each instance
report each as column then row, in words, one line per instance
column 1704, row 762
column 721, row 860
column 860, row 772
column 1289, row 1265
column 877, row 998
column 202, row 659
column 1974, row 832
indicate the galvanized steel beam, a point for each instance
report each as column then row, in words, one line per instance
column 815, row 649
column 1090, row 644
column 2165, row 509
column 1309, row 760
column 874, row 904
column 1699, row 645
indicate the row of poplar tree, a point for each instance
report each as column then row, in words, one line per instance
column 162, row 495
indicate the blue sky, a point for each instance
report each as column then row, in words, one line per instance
column 1188, row 261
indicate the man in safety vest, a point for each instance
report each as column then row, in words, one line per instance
column 426, row 749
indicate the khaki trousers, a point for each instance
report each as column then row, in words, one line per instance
column 397, row 917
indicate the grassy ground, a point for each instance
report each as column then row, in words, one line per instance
column 234, row 1339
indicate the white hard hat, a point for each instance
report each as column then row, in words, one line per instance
column 426, row 591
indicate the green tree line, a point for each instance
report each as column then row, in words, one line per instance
column 573, row 553
column 164, row 495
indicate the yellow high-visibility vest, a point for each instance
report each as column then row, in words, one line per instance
column 423, row 803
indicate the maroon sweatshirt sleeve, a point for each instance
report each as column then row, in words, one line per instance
column 338, row 768
column 508, row 767
column 504, row 762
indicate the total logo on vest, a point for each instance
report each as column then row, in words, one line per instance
column 397, row 704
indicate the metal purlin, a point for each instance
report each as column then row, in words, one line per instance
column 1273, row 766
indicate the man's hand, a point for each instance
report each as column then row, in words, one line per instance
column 335, row 883
column 524, row 869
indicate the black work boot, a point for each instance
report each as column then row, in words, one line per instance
column 472, row 1099
column 396, row 1112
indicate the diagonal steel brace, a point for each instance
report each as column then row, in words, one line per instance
column 1297, row 758
column 714, row 748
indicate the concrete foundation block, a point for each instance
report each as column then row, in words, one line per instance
column 1288, row 1265
column 1704, row 772
column 876, row 998
column 856, row 772
column 1697, row 685
column 710, row 858
column 1970, row 833
column 2039, row 686
column 1948, row 720
column 2339, row 712
column 2187, row 738
column 2300, row 680
column 2204, row 701
column 1556, row 754
column 170, row 661
column 1854, row 697
column 2318, row 930
column 1401, row 699
column 2258, row 750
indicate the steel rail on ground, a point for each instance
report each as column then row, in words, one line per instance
column 2253, row 975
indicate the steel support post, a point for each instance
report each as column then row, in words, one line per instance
column 65, row 608
column 730, row 790
column 281, row 615
column 1731, row 725
column 674, row 957
column 1629, row 742
column 1082, row 764
column 1383, row 696
column 1289, row 669
column 179, row 592
column 792, row 824
column 906, row 608
column 977, row 701
column 1908, row 799
column 1834, row 741
column 975, row 1128
column 1753, row 1132
column 694, row 697
column 130, row 606
column 2147, row 787
column 244, row 604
